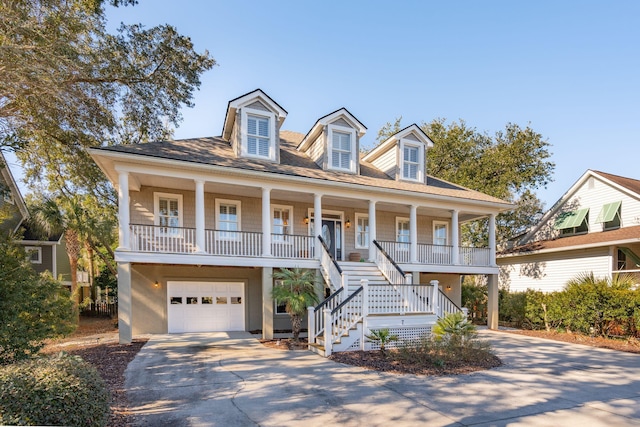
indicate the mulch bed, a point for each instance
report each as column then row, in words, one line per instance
column 629, row 345
column 378, row 361
column 109, row 358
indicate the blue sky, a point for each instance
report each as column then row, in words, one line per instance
column 570, row 69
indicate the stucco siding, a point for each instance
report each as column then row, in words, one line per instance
column 150, row 303
column 550, row 272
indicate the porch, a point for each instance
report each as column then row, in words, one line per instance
column 183, row 241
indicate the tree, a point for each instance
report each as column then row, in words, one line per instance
column 297, row 289
column 509, row 165
column 32, row 307
column 66, row 84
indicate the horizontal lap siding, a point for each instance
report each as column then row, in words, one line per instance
column 551, row 272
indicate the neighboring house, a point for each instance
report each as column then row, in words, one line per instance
column 593, row 228
column 205, row 221
column 45, row 253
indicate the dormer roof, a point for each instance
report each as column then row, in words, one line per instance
column 316, row 129
column 245, row 100
column 413, row 129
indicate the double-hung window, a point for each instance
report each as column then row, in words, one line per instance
column 227, row 218
column 341, row 151
column 440, row 233
column 34, row 254
column 411, row 162
column 258, row 138
column 402, row 230
column 362, row 231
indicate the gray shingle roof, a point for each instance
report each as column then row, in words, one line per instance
column 218, row 152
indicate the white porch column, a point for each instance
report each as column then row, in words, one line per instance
column 266, row 222
column 372, row 229
column 123, row 211
column 267, row 303
column 455, row 238
column 317, row 223
column 492, row 240
column 200, row 239
column 492, row 301
column 413, row 234
column 125, row 328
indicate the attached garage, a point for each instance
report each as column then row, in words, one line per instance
column 205, row 306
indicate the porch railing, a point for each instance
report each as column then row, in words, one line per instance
column 437, row 254
column 154, row 238
column 330, row 268
column 292, row 246
column 388, row 266
column 399, row 299
column 182, row 240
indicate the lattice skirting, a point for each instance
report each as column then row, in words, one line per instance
column 406, row 336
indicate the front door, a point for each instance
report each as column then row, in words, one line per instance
column 332, row 237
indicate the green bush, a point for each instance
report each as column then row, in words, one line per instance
column 474, row 298
column 60, row 390
column 512, row 307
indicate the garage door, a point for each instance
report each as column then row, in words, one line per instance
column 205, row 306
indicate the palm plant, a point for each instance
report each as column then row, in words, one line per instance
column 454, row 328
column 383, row 336
column 298, row 289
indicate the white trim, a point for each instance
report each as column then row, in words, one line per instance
column 156, row 207
column 400, row 219
column 244, row 143
column 446, row 228
column 291, row 221
column 420, row 147
column 367, row 233
column 340, row 220
column 30, row 250
column 238, row 205
column 353, row 145
column 275, row 303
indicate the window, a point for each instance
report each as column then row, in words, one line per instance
column 609, row 216
column 280, row 307
column 622, row 260
column 8, row 197
column 258, row 140
column 362, row 231
column 34, row 254
column 341, row 151
column 573, row 222
column 440, row 233
column 411, row 164
column 402, row 230
column 227, row 218
column 282, row 218
column 169, row 212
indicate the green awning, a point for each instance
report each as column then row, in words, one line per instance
column 608, row 212
column 571, row 219
column 630, row 254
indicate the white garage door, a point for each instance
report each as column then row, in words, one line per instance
column 205, row 306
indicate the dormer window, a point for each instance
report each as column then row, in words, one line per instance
column 342, row 148
column 258, row 136
column 341, row 152
column 410, row 164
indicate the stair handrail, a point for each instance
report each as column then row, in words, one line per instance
column 445, row 305
column 394, row 275
column 316, row 321
column 343, row 320
column 330, row 268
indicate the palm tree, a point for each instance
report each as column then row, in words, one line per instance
column 297, row 289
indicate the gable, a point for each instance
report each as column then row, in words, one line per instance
column 602, row 200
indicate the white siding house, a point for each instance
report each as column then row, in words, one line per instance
column 593, row 228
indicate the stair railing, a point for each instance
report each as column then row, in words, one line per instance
column 341, row 319
column 443, row 305
column 388, row 266
column 315, row 315
column 331, row 270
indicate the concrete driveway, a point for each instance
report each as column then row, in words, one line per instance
column 229, row 379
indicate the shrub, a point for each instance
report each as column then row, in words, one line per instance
column 512, row 307
column 455, row 329
column 32, row 307
column 60, row 390
column 474, row 298
column 383, row 336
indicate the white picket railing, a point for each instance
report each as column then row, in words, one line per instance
column 475, row 256
column 387, row 266
column 443, row 304
column 399, row 299
column 316, row 316
column 434, row 254
column 152, row 238
column 343, row 318
column 292, row 246
column 233, row 243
